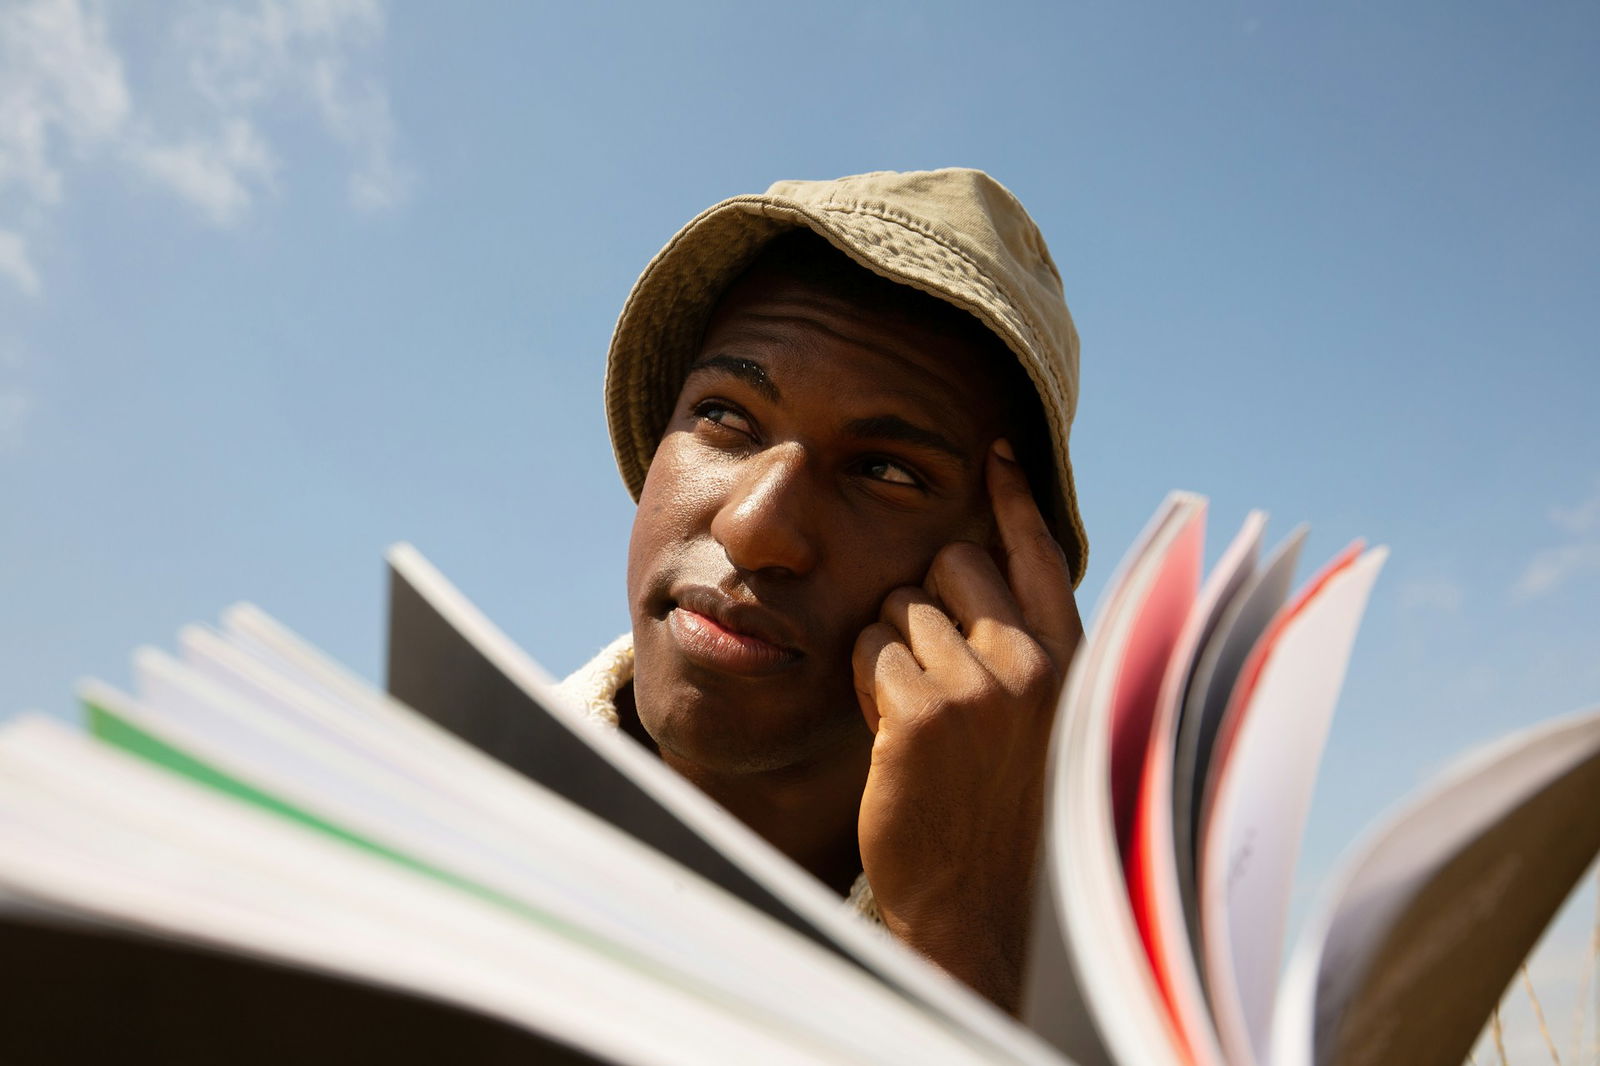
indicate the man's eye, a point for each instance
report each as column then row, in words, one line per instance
column 887, row 470
column 722, row 414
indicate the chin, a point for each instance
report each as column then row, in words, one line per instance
column 745, row 731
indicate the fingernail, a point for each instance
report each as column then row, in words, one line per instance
column 1002, row 448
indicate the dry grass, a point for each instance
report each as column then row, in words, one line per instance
column 1585, row 1046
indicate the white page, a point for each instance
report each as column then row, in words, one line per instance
column 1252, row 835
column 1477, row 934
column 250, row 629
column 554, row 858
column 1218, row 667
column 100, row 832
column 558, row 860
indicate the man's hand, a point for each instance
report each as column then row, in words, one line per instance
column 958, row 682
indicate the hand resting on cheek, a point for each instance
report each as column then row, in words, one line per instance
column 958, row 682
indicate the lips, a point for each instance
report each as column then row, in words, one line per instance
column 716, row 632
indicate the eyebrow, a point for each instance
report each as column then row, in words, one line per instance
column 876, row 427
column 746, row 370
column 895, row 428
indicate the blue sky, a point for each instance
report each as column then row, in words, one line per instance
column 284, row 281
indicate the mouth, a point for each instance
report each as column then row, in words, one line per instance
column 733, row 638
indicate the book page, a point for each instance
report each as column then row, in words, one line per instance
column 1428, row 920
column 1221, row 658
column 1152, row 636
column 1280, row 714
column 548, row 862
column 116, row 840
column 1152, row 869
column 1083, row 894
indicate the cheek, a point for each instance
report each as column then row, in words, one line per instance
column 881, row 560
column 675, row 506
column 884, row 556
column 683, row 475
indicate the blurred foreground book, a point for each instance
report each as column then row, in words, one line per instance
column 263, row 858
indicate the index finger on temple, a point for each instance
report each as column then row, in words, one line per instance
column 1036, row 567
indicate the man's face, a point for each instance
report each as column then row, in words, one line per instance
column 819, row 456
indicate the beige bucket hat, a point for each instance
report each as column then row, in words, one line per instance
column 955, row 233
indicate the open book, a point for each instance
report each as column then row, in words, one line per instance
column 262, row 857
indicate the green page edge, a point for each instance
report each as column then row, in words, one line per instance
column 112, row 729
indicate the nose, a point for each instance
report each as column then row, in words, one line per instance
column 765, row 521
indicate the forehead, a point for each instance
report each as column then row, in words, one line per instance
column 808, row 333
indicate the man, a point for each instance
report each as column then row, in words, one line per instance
column 851, row 613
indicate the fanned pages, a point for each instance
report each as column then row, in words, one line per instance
column 1280, row 711
column 1153, row 886
column 706, row 952
column 1222, row 656
column 196, row 864
column 1105, row 713
column 261, row 857
column 401, row 811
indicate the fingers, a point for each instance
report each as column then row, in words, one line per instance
column 972, row 633
column 966, row 580
column 980, row 645
column 880, row 659
column 1036, row 567
column 915, row 661
column 928, row 631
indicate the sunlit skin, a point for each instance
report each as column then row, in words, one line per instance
column 824, row 641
